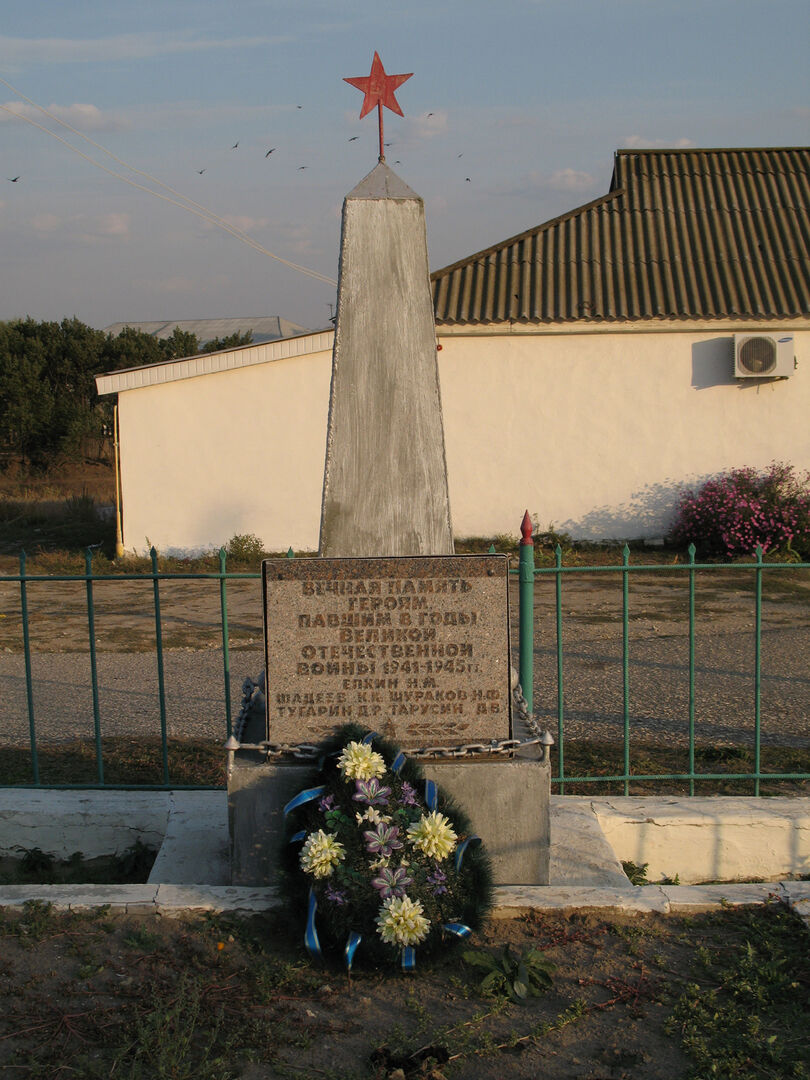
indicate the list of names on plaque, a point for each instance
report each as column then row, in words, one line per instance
column 415, row 648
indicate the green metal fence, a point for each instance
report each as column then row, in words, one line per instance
column 90, row 579
column 528, row 573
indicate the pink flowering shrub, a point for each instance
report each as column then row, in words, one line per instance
column 732, row 514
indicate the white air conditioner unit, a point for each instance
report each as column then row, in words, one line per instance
column 763, row 356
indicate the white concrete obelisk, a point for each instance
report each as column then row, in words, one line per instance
column 385, row 478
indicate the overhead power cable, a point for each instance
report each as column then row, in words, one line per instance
column 187, row 204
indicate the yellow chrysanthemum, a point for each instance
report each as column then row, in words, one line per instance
column 359, row 762
column 321, row 853
column 433, row 835
column 402, row 921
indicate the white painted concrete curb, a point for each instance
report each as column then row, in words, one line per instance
column 511, row 901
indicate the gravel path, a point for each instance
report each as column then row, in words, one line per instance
column 592, row 680
column 592, row 673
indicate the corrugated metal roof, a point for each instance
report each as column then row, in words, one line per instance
column 682, row 234
column 263, row 328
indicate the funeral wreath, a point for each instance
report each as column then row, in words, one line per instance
column 379, row 859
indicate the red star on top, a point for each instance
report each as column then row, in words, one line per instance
column 379, row 88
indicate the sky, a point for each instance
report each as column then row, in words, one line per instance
column 512, row 116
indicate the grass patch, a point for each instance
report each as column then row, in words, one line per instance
column 586, row 757
column 36, row 867
column 99, row 995
column 139, row 761
column 63, row 525
column 744, row 1014
column 126, row 761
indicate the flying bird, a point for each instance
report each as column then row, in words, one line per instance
column 468, row 179
column 430, row 114
column 354, row 138
column 299, row 106
column 13, row 179
column 270, row 151
column 200, row 172
column 234, row 146
column 300, row 167
column 459, row 155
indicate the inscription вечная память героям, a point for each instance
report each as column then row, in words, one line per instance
column 416, row 648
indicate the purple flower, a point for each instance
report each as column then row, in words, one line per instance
column 370, row 791
column 337, row 896
column 437, row 882
column 326, row 802
column 382, row 840
column 391, row 882
column 408, row 794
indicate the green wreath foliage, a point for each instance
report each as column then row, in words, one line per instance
column 348, row 900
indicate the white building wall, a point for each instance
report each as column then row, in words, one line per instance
column 227, row 453
column 593, row 432
column 597, row 432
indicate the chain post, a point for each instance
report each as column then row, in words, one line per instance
column 226, row 653
column 29, row 684
column 164, row 748
column 526, row 601
column 91, row 627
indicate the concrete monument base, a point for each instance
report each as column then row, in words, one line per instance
column 507, row 802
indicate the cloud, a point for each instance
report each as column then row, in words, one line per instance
column 244, row 223
column 571, row 180
column 120, row 47
column 298, row 239
column 535, row 183
column 83, row 117
column 87, row 228
column 113, row 225
column 176, row 284
column 640, row 142
column 46, row 223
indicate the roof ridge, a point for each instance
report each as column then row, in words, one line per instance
column 712, row 150
column 609, row 197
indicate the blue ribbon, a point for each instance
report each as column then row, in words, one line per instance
column 431, row 794
column 368, row 739
column 304, row 797
column 311, row 934
column 408, row 958
column 300, row 835
column 460, row 929
column 352, row 942
column 462, row 847
column 398, row 762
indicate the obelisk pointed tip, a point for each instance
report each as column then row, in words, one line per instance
column 382, row 183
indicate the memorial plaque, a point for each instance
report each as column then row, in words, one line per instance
column 415, row 648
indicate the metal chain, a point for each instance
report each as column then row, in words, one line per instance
column 311, row 751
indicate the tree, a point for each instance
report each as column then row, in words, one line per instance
column 180, row 343
column 47, row 388
column 232, row 341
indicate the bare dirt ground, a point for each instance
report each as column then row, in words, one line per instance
column 100, row 996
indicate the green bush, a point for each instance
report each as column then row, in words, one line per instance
column 245, row 548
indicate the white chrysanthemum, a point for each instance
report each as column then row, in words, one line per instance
column 433, row 835
column 321, row 853
column 359, row 762
column 372, row 815
column 402, row 922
